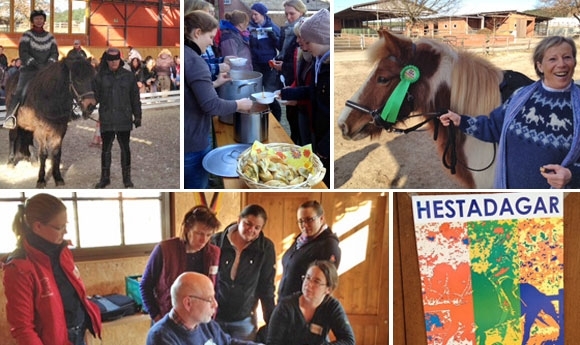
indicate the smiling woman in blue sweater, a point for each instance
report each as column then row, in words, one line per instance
column 537, row 128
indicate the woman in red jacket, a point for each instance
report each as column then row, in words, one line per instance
column 46, row 298
column 191, row 251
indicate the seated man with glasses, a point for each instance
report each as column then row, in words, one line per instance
column 307, row 317
column 315, row 242
column 190, row 322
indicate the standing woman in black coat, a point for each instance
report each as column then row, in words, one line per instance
column 119, row 109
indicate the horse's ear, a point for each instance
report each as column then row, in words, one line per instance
column 398, row 45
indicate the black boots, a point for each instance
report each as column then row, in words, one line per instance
column 10, row 121
column 127, row 176
column 105, row 170
column 105, row 178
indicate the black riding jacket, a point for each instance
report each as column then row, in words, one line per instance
column 254, row 281
column 118, row 97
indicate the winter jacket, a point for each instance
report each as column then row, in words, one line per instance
column 263, row 40
column 237, row 299
column 287, row 47
column 200, row 99
column 118, row 96
column 232, row 43
column 34, row 305
column 76, row 54
column 319, row 95
column 36, row 49
column 295, row 261
column 168, row 260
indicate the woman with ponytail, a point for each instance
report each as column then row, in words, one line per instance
column 46, row 298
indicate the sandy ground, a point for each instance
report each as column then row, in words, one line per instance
column 154, row 152
column 394, row 160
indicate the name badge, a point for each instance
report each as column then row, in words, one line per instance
column 213, row 269
column 210, row 342
column 315, row 329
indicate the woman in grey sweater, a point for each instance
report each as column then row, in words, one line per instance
column 201, row 100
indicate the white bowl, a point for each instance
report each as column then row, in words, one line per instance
column 264, row 97
column 238, row 62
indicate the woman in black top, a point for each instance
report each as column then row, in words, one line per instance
column 307, row 317
column 246, row 274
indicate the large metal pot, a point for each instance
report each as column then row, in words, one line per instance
column 242, row 85
column 252, row 126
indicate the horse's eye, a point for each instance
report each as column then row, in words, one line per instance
column 382, row 80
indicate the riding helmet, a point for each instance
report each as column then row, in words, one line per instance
column 37, row 13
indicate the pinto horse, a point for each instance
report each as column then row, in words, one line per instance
column 47, row 109
column 444, row 79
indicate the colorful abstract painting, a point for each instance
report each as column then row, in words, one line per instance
column 491, row 268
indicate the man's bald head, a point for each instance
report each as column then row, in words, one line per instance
column 189, row 283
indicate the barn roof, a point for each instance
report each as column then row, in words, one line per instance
column 376, row 10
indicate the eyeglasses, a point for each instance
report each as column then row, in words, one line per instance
column 307, row 220
column 315, row 281
column 210, row 300
column 56, row 228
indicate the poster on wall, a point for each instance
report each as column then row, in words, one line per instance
column 492, row 267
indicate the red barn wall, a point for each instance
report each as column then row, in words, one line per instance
column 118, row 24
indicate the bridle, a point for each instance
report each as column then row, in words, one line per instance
column 387, row 116
column 77, row 97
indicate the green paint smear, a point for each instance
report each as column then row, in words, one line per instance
column 495, row 279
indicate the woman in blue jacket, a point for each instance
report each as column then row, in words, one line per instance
column 264, row 37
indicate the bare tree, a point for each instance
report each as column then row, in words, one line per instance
column 562, row 8
column 415, row 9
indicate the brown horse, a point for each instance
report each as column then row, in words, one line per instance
column 47, row 110
column 448, row 79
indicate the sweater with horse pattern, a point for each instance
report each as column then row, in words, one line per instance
column 541, row 133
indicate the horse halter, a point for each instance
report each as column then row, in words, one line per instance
column 388, row 116
column 78, row 98
column 390, row 111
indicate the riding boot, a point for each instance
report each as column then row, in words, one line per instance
column 105, row 171
column 10, row 120
column 127, row 176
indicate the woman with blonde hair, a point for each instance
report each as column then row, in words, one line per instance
column 163, row 67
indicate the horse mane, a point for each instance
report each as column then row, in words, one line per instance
column 48, row 93
column 475, row 78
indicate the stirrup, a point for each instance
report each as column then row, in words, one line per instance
column 10, row 122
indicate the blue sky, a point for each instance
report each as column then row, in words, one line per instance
column 467, row 6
